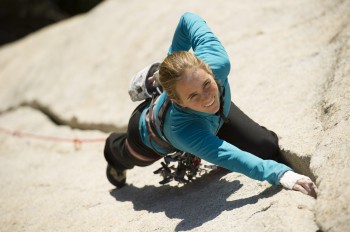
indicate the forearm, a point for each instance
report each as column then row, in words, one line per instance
column 193, row 32
column 250, row 165
column 219, row 152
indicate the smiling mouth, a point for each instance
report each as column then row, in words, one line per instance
column 210, row 103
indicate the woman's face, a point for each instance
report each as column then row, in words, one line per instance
column 198, row 91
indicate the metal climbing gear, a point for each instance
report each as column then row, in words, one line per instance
column 188, row 167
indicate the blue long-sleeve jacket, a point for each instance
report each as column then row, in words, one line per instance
column 195, row 132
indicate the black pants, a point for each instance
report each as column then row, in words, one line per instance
column 125, row 150
column 249, row 136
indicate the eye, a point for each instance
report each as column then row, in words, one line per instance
column 193, row 96
column 207, row 84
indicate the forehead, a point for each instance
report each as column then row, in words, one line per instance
column 194, row 76
column 191, row 81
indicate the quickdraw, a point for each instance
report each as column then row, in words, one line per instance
column 188, row 168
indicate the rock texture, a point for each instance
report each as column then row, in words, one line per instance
column 290, row 72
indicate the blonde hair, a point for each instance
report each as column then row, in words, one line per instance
column 173, row 67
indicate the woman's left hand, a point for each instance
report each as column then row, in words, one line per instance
column 295, row 181
column 306, row 186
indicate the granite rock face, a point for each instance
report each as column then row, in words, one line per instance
column 290, row 72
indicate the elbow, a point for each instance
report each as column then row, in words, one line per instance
column 227, row 65
column 187, row 14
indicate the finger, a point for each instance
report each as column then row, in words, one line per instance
column 310, row 187
column 306, row 185
column 306, row 188
column 313, row 192
column 300, row 188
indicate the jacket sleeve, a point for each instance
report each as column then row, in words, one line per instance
column 193, row 32
column 209, row 147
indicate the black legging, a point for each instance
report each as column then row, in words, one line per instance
column 247, row 135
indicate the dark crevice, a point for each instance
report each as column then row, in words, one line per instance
column 328, row 108
column 73, row 123
column 262, row 210
column 300, row 164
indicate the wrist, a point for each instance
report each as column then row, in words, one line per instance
column 290, row 178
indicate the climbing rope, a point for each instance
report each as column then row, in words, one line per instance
column 76, row 141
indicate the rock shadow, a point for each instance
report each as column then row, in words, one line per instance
column 195, row 203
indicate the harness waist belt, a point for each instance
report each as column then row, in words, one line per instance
column 152, row 130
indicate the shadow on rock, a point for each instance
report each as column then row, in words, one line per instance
column 195, row 203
